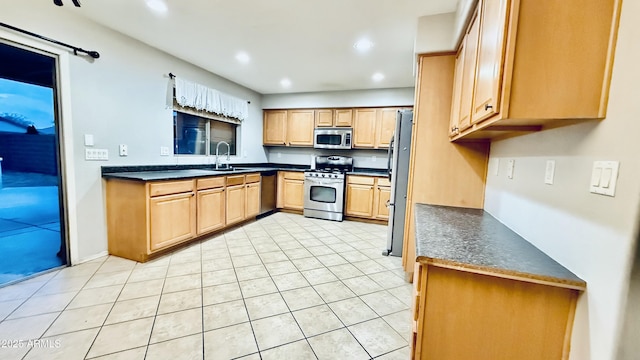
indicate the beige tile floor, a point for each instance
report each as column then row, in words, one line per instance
column 282, row 287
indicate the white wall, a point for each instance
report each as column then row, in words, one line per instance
column 120, row 98
column 592, row 235
column 352, row 98
column 435, row 33
column 463, row 13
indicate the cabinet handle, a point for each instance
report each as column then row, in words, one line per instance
column 487, row 107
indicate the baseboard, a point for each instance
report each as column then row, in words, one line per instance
column 92, row 257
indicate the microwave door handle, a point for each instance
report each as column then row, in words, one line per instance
column 389, row 156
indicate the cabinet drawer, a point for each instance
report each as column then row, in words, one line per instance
column 294, row 175
column 384, row 182
column 364, row 180
column 173, row 187
column 252, row 178
column 210, row 183
column 235, row 180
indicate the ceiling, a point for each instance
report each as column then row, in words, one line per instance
column 311, row 43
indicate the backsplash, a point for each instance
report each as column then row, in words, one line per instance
column 375, row 159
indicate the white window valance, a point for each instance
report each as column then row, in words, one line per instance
column 200, row 97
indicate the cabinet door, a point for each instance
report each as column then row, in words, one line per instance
column 344, row 117
column 235, row 204
column 486, row 94
column 293, row 194
column 324, row 118
column 211, row 210
column 457, row 92
column 172, row 219
column 275, row 127
column 383, row 194
column 364, row 128
column 359, row 200
column 385, row 126
column 300, row 124
column 469, row 74
column 252, row 207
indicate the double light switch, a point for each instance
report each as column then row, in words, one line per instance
column 604, row 177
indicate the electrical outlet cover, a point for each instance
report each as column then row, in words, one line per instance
column 550, row 171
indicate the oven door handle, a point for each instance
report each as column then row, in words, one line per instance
column 338, row 182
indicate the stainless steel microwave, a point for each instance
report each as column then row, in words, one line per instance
column 332, row 138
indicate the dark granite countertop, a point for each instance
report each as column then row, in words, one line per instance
column 475, row 240
column 368, row 172
column 174, row 172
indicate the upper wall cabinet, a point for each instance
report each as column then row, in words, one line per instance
column 274, row 131
column 526, row 64
column 372, row 127
column 288, row 127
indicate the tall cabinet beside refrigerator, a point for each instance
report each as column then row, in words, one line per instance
column 398, row 169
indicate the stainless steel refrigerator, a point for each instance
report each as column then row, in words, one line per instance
column 398, row 169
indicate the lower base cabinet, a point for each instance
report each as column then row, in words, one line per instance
column 290, row 190
column 367, row 197
column 235, row 204
column 180, row 208
column 144, row 218
column 460, row 314
column 211, row 210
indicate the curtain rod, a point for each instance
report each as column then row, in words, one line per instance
column 172, row 76
column 76, row 50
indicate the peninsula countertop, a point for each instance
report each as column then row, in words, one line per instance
column 473, row 239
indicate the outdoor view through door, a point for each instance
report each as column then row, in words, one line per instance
column 32, row 238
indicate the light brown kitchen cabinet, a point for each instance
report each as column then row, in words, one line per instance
column 172, row 219
column 146, row 217
column 385, row 127
column 531, row 74
column 494, row 312
column 324, row 118
column 490, row 54
column 364, row 128
column 211, row 204
column 274, row 127
column 290, row 193
column 252, row 193
column 367, row 196
column 381, row 199
column 300, row 125
column 343, row 117
column 373, row 128
column 469, row 74
column 235, row 203
column 359, row 200
column 457, row 91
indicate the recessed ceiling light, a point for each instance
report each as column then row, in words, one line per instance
column 243, row 57
column 285, row 82
column 377, row 77
column 363, row 45
column 158, row 6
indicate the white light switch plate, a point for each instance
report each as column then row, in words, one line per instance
column 88, row 140
column 604, row 177
column 164, row 151
column 550, row 171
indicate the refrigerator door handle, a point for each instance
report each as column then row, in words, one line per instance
column 389, row 155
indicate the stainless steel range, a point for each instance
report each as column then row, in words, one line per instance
column 324, row 187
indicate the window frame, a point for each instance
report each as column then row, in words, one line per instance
column 208, row 118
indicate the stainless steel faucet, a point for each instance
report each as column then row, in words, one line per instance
column 218, row 150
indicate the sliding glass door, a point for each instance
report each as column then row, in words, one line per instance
column 32, row 236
